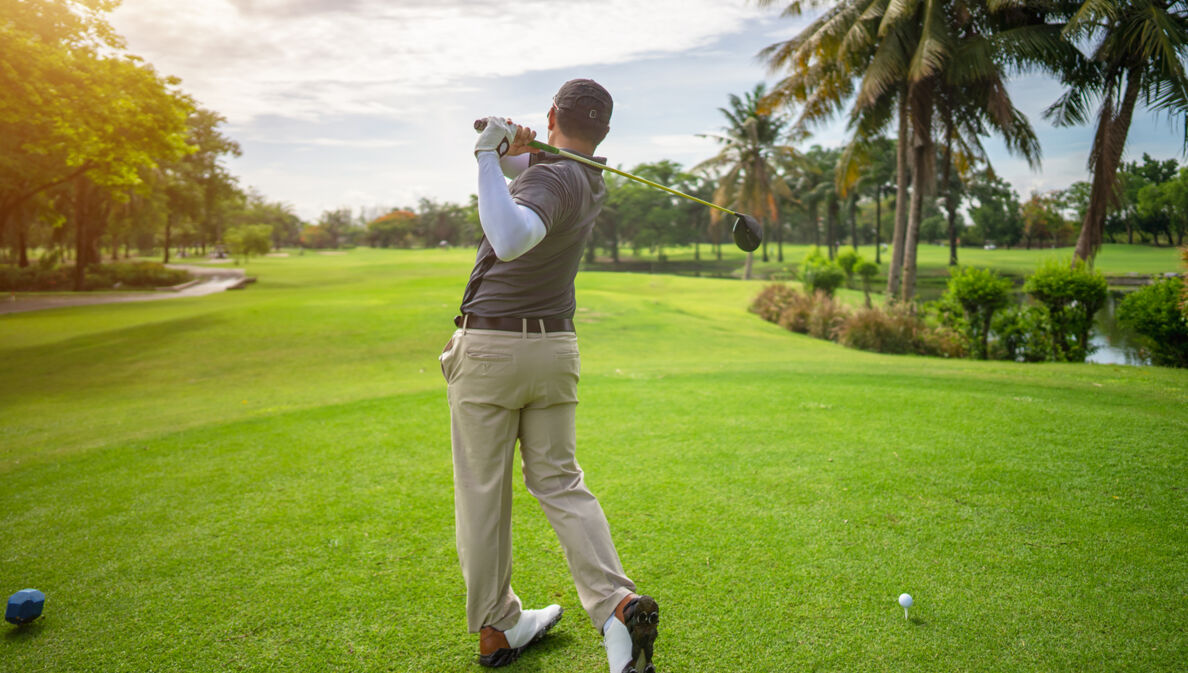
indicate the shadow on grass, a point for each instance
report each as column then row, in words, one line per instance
column 24, row 632
column 540, row 656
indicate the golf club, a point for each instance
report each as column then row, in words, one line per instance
column 748, row 234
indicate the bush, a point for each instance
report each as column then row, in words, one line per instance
column 1022, row 335
column 898, row 330
column 249, row 240
column 1072, row 296
column 133, row 274
column 826, row 316
column 33, row 278
column 105, row 276
column 772, row 301
column 867, row 271
column 820, row 274
column 1184, row 292
column 1154, row 313
column 872, row 329
column 848, row 260
column 980, row 293
column 795, row 317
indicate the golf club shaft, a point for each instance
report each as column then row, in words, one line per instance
column 481, row 124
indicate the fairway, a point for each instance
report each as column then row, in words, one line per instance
column 261, row 481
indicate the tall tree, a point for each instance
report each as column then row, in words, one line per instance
column 216, row 184
column 1137, row 52
column 884, row 57
column 109, row 115
column 748, row 163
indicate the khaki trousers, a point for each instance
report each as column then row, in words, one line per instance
column 504, row 386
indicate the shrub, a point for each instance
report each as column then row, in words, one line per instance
column 898, row 330
column 1072, row 296
column 772, row 301
column 820, row 274
column 872, row 329
column 980, row 293
column 1184, row 292
column 795, row 317
column 826, row 316
column 848, row 261
column 1154, row 313
column 867, row 270
column 940, row 341
column 132, row 274
column 1022, row 335
column 105, row 276
column 249, row 240
column 32, row 278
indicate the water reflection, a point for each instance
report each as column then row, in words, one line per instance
column 1114, row 344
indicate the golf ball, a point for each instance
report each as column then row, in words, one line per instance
column 905, row 600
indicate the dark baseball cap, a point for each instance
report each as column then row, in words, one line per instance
column 586, row 100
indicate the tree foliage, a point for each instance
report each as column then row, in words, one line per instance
column 1072, row 296
column 980, row 293
column 1154, row 313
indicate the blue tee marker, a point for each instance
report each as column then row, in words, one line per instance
column 24, row 606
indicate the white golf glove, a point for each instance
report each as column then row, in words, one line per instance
column 497, row 137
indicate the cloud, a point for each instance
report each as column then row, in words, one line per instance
column 312, row 58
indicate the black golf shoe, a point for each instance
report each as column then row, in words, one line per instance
column 641, row 614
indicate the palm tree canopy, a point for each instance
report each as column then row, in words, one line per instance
column 1143, row 40
column 752, row 155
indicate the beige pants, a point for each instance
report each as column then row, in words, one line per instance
column 505, row 386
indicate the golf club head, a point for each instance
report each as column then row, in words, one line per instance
column 748, row 233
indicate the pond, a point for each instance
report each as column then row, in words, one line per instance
column 1115, row 345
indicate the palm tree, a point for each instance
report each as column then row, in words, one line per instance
column 870, row 165
column 1137, row 50
column 748, row 163
column 900, row 56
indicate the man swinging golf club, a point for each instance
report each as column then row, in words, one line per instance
column 512, row 369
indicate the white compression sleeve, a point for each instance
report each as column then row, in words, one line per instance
column 514, row 165
column 511, row 228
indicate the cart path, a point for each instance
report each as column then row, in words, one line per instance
column 211, row 280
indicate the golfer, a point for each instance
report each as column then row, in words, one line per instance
column 512, row 370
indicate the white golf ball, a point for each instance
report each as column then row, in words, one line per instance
column 905, row 600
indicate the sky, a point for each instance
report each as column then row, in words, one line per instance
column 369, row 104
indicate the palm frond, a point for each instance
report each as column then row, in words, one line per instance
column 935, row 43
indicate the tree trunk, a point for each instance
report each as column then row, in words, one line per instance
column 950, row 205
column 901, row 199
column 80, row 216
column 747, row 266
column 22, row 231
column 878, row 224
column 922, row 151
column 854, row 222
column 814, row 218
column 831, row 225
column 168, row 231
column 780, row 243
column 1107, row 147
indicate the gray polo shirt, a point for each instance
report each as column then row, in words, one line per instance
column 539, row 284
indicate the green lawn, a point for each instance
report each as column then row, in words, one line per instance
column 1114, row 260
column 261, row 481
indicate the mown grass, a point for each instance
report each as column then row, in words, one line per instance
column 1114, row 260
column 261, row 481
